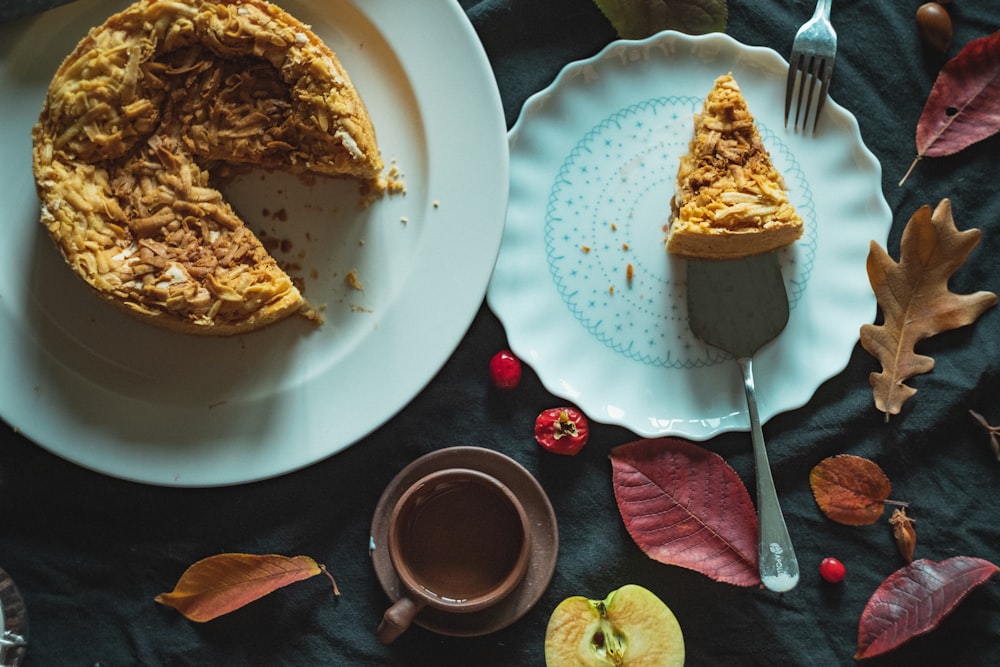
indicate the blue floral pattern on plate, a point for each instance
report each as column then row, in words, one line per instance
column 609, row 200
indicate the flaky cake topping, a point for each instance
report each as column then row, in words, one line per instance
column 731, row 200
column 139, row 114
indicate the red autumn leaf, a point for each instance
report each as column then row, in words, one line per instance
column 223, row 583
column 683, row 505
column 915, row 300
column 913, row 600
column 964, row 104
column 850, row 489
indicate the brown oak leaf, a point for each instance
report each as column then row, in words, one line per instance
column 915, row 300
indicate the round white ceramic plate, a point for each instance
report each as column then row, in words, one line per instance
column 593, row 161
column 129, row 400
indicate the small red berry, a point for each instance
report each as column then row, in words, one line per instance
column 505, row 370
column 832, row 570
column 562, row 430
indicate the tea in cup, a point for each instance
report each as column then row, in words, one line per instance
column 459, row 541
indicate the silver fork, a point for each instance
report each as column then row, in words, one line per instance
column 813, row 53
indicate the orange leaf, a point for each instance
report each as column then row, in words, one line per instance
column 850, row 489
column 223, row 583
column 915, row 300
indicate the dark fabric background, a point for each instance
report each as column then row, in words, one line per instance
column 89, row 553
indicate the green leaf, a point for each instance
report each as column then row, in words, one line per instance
column 636, row 19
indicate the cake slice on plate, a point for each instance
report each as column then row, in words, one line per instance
column 730, row 201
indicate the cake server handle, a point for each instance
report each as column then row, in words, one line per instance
column 779, row 568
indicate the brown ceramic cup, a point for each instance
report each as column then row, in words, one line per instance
column 459, row 541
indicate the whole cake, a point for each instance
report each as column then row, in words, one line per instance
column 730, row 201
column 138, row 117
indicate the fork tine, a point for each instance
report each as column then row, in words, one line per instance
column 793, row 72
column 814, row 65
column 821, row 73
column 823, row 91
column 804, row 76
column 810, row 67
column 808, row 81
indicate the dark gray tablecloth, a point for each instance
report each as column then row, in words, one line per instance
column 89, row 553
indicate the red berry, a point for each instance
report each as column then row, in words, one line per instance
column 832, row 570
column 562, row 430
column 505, row 370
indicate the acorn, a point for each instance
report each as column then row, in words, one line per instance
column 934, row 25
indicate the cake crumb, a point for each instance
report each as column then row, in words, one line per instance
column 629, row 273
column 585, row 248
column 312, row 313
column 395, row 187
column 394, row 180
column 353, row 281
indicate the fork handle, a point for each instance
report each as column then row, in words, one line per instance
column 823, row 9
column 779, row 568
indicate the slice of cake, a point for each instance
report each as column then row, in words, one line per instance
column 134, row 123
column 730, row 200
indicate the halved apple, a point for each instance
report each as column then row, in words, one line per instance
column 629, row 628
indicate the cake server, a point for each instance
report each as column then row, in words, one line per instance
column 738, row 306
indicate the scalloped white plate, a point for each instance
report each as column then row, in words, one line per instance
column 593, row 162
column 129, row 400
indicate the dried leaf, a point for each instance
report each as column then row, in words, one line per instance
column 915, row 300
column 223, row 583
column 913, row 600
column 850, row 489
column 636, row 19
column 964, row 104
column 994, row 432
column 904, row 533
column 684, row 505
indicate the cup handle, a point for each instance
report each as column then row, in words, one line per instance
column 397, row 619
